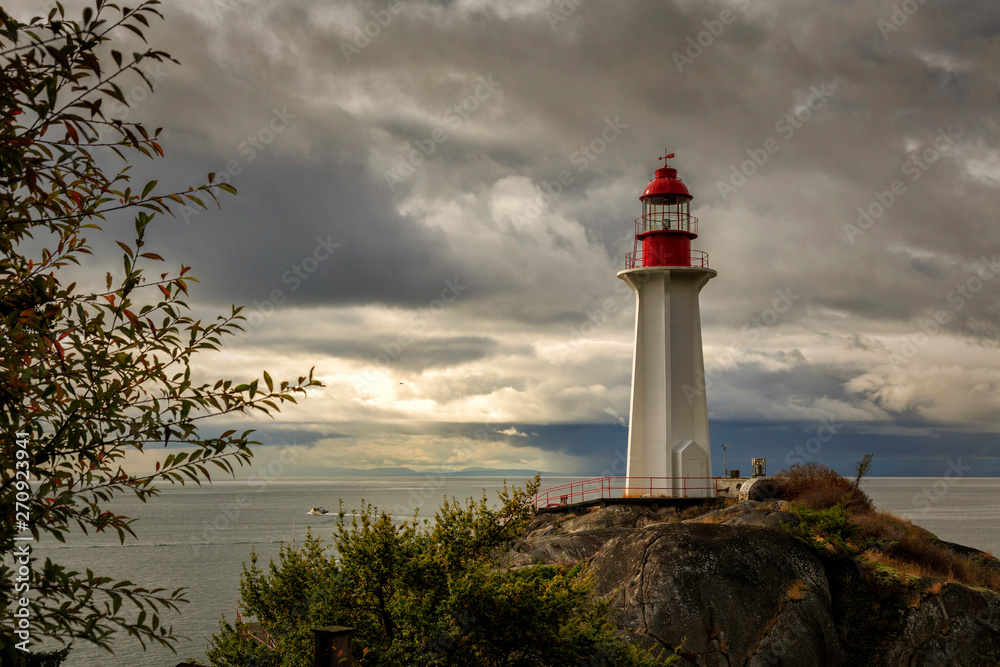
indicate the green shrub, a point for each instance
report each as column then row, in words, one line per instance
column 818, row 528
column 427, row 593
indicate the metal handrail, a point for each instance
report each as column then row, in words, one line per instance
column 699, row 259
column 621, row 487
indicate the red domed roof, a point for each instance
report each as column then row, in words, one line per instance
column 666, row 182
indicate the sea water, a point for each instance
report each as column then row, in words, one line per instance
column 962, row 510
column 200, row 537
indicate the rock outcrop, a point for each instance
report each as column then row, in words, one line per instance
column 958, row 626
column 555, row 537
column 735, row 588
column 737, row 596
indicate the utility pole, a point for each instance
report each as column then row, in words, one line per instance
column 725, row 472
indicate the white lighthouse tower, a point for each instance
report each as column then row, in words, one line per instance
column 668, row 448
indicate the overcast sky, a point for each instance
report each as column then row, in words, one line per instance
column 435, row 198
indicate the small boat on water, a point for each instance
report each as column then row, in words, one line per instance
column 317, row 510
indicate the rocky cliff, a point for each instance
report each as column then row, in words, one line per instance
column 734, row 587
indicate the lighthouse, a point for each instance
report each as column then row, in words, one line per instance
column 668, row 447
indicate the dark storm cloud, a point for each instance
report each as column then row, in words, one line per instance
column 787, row 443
column 304, row 434
column 584, row 441
column 419, row 353
column 326, row 219
column 314, row 229
column 555, row 89
column 776, row 386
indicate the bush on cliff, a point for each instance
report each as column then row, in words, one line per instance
column 837, row 520
column 425, row 593
column 819, row 487
column 878, row 564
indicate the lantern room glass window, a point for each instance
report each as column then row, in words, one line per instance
column 666, row 213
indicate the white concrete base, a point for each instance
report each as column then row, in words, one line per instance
column 730, row 487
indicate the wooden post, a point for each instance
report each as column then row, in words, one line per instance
column 333, row 646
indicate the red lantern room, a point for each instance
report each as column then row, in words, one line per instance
column 666, row 227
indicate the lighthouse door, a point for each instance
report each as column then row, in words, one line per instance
column 694, row 472
column 692, row 469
